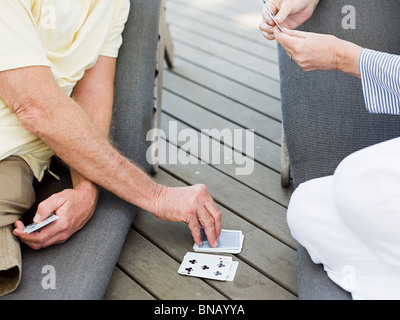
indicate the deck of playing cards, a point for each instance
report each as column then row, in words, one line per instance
column 208, row 266
column 230, row 241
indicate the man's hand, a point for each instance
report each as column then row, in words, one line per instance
column 288, row 13
column 192, row 205
column 74, row 207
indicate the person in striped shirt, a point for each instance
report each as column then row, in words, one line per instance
column 350, row 221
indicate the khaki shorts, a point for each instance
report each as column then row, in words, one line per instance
column 16, row 197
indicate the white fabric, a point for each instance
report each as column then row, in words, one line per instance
column 350, row 222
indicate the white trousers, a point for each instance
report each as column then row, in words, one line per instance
column 350, row 222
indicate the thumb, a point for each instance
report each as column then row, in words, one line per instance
column 292, row 34
column 286, row 9
column 47, row 207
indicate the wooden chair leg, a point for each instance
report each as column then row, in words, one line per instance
column 169, row 47
column 285, row 163
column 165, row 53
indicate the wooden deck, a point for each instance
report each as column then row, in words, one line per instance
column 225, row 76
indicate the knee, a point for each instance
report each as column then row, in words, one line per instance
column 298, row 213
column 360, row 187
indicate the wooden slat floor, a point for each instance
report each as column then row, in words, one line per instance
column 225, row 77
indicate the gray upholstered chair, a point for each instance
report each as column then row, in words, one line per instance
column 324, row 116
column 85, row 263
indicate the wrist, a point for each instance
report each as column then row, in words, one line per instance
column 159, row 200
column 88, row 188
column 348, row 58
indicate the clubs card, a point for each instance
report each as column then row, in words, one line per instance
column 232, row 273
column 270, row 13
column 37, row 226
column 208, row 266
column 230, row 241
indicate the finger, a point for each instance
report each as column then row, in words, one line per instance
column 284, row 12
column 19, row 225
column 194, row 226
column 266, row 17
column 45, row 237
column 266, row 28
column 287, row 39
column 283, row 37
column 269, row 36
column 47, row 207
column 273, row 5
column 297, row 33
column 216, row 214
column 208, row 222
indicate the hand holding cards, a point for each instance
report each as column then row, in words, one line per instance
column 230, row 241
column 37, row 226
column 270, row 13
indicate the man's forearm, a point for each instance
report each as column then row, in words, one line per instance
column 84, row 147
column 62, row 124
column 95, row 94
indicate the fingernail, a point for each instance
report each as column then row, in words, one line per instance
column 37, row 218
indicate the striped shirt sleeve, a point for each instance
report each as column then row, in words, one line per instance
column 380, row 76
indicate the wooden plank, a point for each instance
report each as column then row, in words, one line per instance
column 268, row 54
column 262, row 179
column 267, row 72
column 263, row 258
column 157, row 272
column 245, row 202
column 230, row 110
column 231, row 89
column 244, row 25
column 265, row 152
column 237, row 73
column 225, row 8
column 121, row 287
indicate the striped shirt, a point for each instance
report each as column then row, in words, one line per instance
column 380, row 76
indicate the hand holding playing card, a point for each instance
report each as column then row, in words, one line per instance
column 192, row 205
column 289, row 14
column 230, row 241
column 73, row 207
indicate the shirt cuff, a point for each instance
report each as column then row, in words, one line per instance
column 380, row 74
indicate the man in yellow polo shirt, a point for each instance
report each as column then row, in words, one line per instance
column 57, row 66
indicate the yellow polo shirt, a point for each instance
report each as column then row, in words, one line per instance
column 66, row 35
